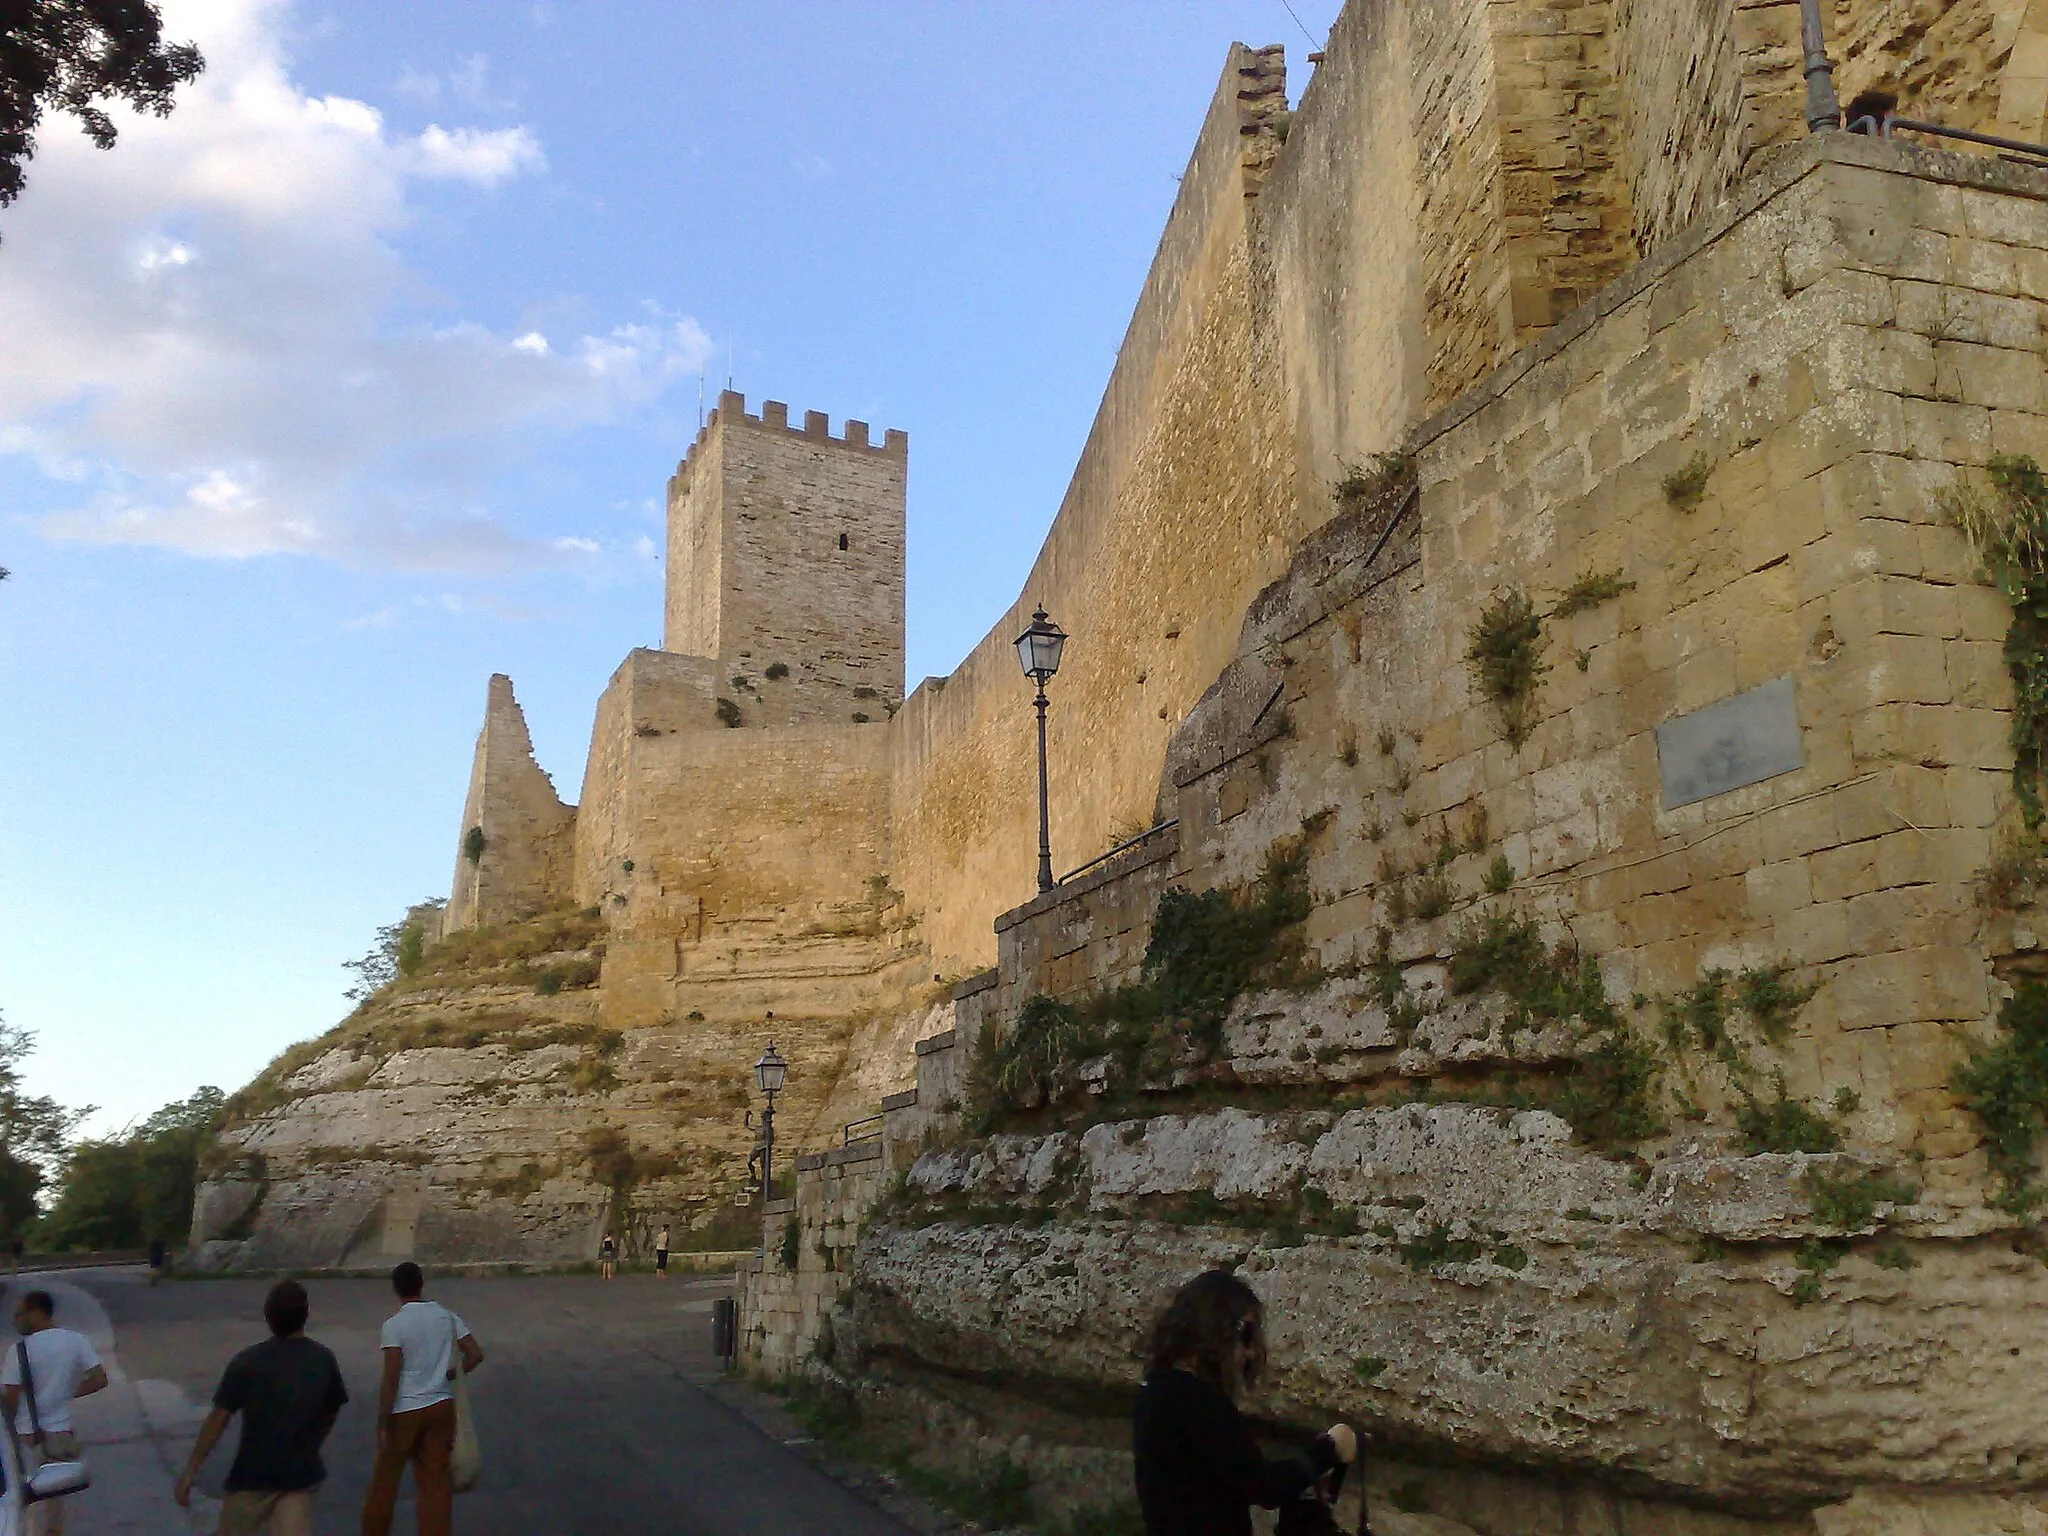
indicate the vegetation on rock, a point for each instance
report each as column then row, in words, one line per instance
column 2005, row 1085
column 1506, row 656
column 1590, row 591
column 1207, row 949
column 2009, row 531
column 1686, row 488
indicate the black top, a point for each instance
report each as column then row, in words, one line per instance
column 287, row 1392
column 1199, row 1470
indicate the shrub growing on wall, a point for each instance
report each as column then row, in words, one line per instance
column 1207, row 949
column 1506, row 656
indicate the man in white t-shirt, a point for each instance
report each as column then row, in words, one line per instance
column 62, row 1366
column 416, row 1407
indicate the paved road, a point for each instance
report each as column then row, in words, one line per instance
column 591, row 1409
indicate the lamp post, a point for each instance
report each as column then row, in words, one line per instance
column 1038, row 652
column 1823, row 107
column 768, row 1074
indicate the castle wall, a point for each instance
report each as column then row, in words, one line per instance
column 1181, row 506
column 1681, row 1317
column 786, row 551
column 522, row 864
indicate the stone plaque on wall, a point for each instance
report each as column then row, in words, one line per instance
column 1741, row 740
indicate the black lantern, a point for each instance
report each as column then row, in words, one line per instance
column 1038, row 648
column 769, row 1072
column 1038, row 653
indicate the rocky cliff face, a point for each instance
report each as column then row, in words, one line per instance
column 1467, row 1281
column 481, row 1109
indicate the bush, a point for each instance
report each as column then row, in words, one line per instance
column 1782, row 1124
column 728, row 714
column 1207, row 948
column 1506, row 656
column 473, row 844
column 2005, row 1085
column 127, row 1191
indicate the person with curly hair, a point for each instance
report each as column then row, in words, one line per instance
column 1199, row 1471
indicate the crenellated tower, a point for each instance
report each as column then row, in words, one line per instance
column 785, row 552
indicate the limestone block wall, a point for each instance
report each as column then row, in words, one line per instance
column 786, row 551
column 1180, row 508
column 1799, row 355
column 514, row 848
column 786, row 1313
column 1820, row 364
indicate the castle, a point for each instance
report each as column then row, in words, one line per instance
column 1524, row 603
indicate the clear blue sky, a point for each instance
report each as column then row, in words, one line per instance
column 358, row 379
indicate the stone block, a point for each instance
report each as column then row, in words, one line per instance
column 1990, row 376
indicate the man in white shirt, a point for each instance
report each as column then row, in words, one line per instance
column 416, row 1407
column 62, row 1366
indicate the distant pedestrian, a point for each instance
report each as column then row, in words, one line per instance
column 159, row 1259
column 424, row 1345
column 61, row 1367
column 288, row 1390
column 661, row 1252
column 607, row 1256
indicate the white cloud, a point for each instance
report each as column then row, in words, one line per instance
column 199, row 328
column 483, row 156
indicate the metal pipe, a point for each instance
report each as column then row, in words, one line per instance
column 1110, row 853
column 1823, row 107
column 2016, row 146
column 1044, row 813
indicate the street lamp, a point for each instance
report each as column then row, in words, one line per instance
column 1038, row 652
column 768, row 1074
column 1823, row 107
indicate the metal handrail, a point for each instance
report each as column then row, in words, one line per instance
column 1882, row 128
column 1129, row 842
column 874, row 1133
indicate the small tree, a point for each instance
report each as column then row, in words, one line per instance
column 128, row 1190
column 397, row 952
column 34, row 1130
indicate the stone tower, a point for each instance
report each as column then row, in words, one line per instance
column 517, row 836
column 785, row 559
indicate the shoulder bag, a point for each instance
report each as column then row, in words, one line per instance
column 53, row 1479
column 1315, row 1512
column 466, row 1462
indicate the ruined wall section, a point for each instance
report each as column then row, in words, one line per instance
column 1180, row 508
column 786, row 552
column 515, row 848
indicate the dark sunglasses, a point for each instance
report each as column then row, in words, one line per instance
column 1248, row 1331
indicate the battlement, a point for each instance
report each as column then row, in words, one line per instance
column 785, row 548
column 731, row 411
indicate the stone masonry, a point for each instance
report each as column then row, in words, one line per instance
column 1573, row 274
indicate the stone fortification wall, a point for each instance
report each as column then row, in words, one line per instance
column 513, row 856
column 1750, row 438
column 786, row 1308
column 1180, row 508
column 786, row 552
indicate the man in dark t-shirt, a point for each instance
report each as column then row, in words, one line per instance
column 288, row 1390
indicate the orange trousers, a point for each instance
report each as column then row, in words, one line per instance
column 424, row 1437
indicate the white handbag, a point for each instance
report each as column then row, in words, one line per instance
column 466, row 1462
column 53, row 1479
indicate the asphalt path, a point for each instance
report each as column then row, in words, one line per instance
column 592, row 1407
